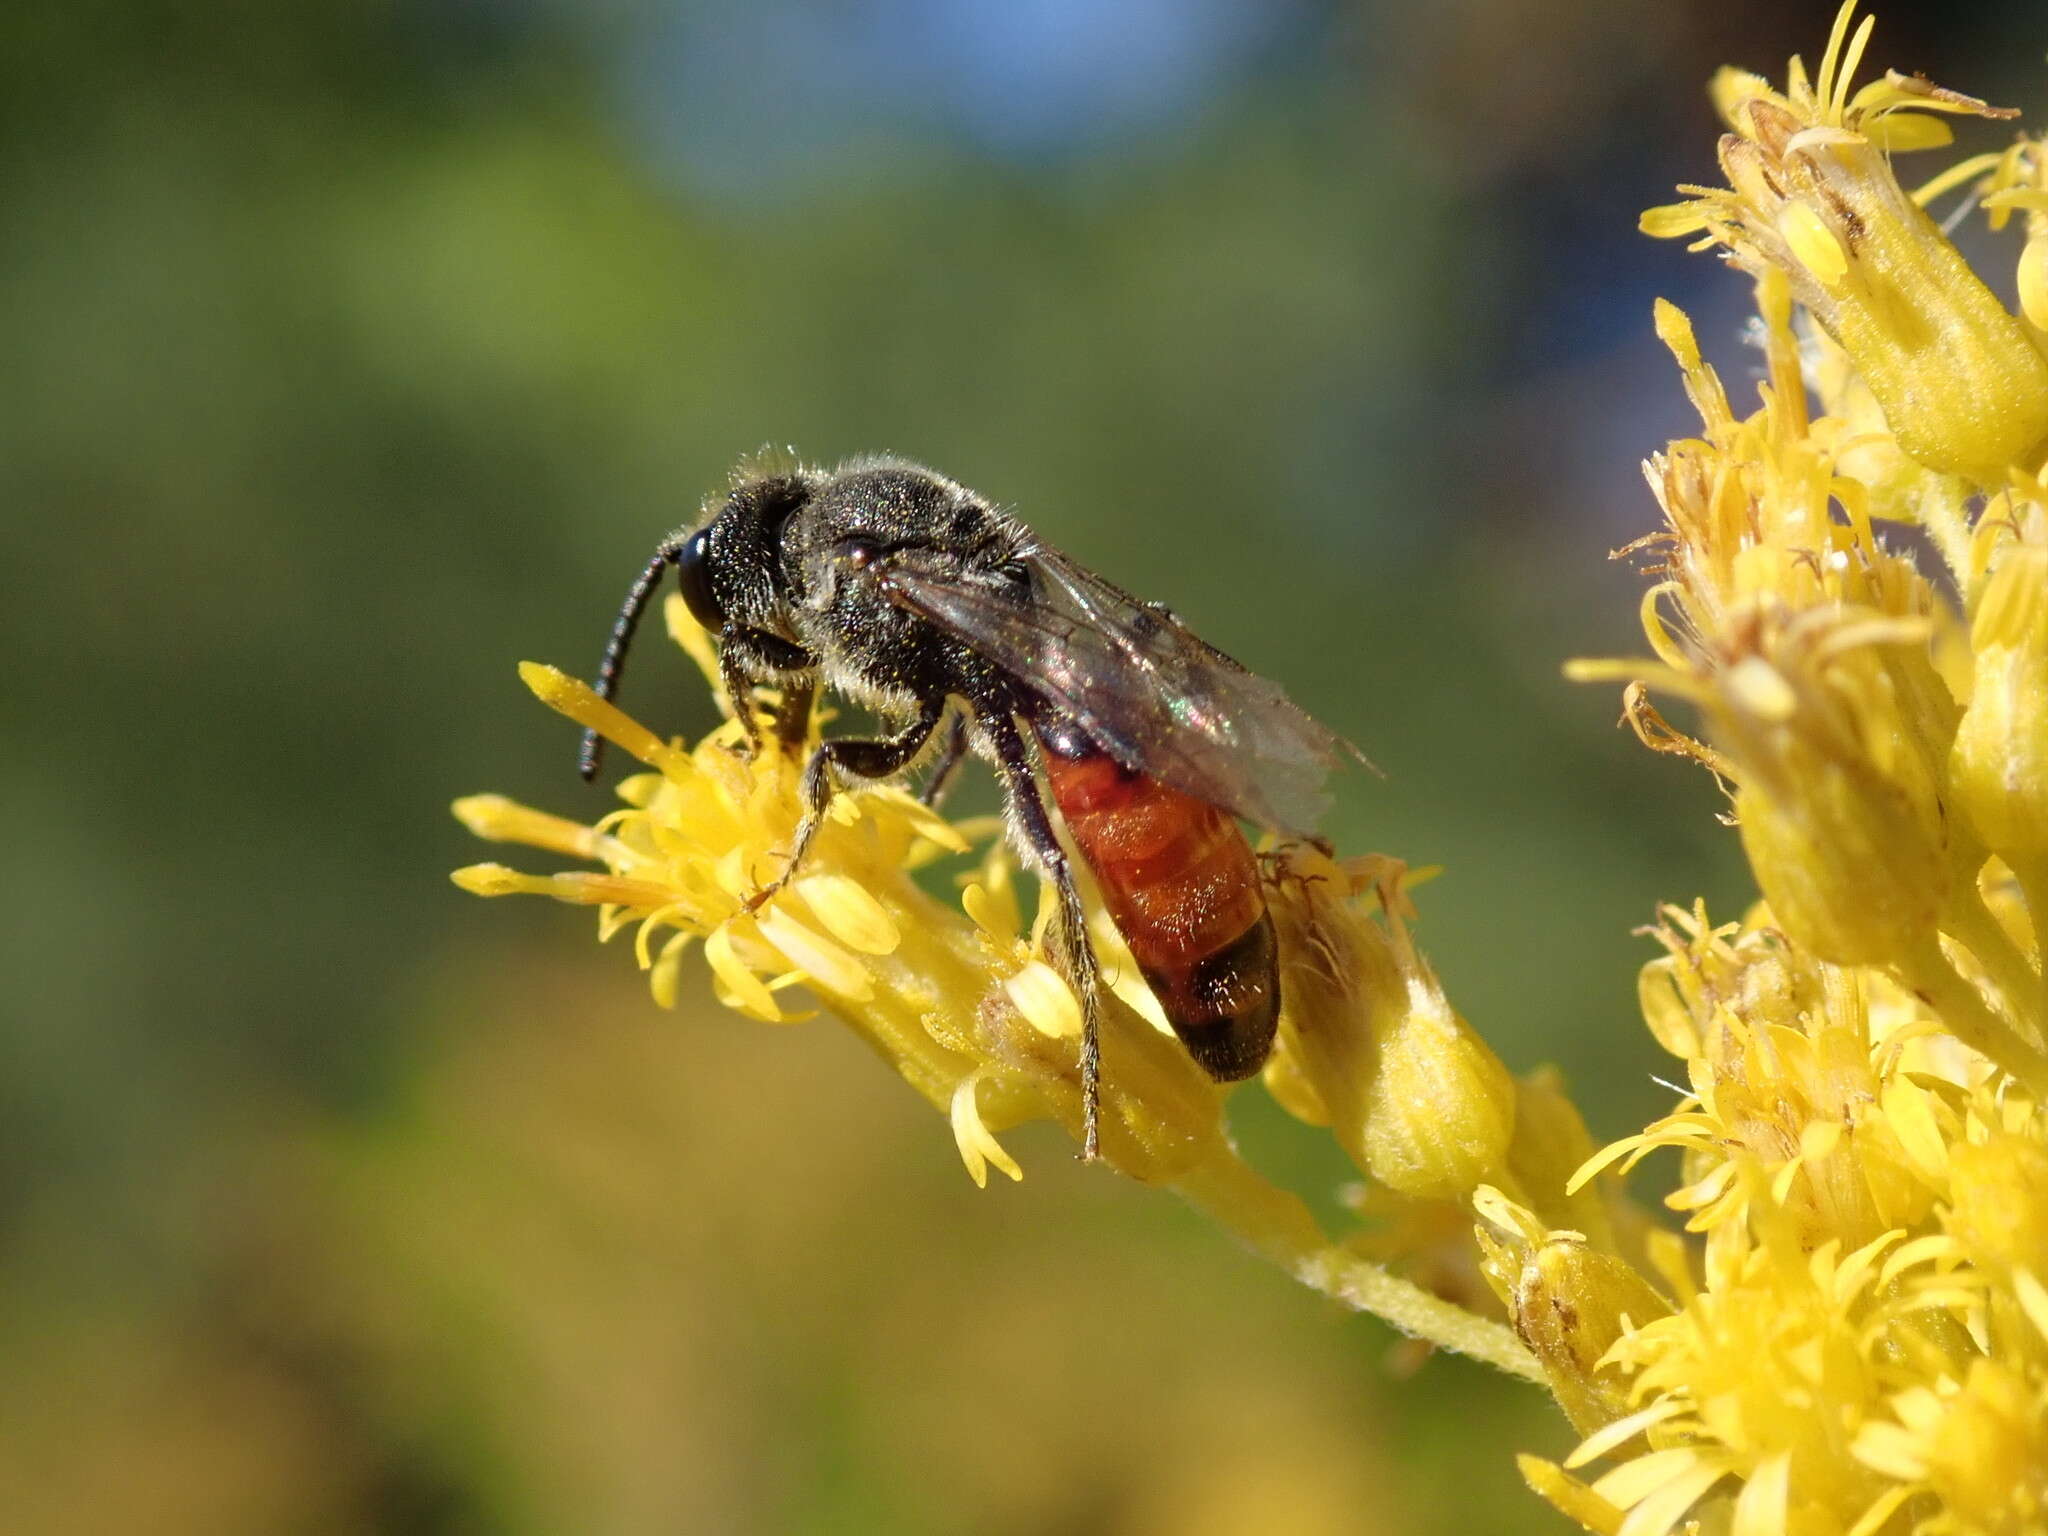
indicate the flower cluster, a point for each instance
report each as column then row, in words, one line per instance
column 1851, row 1333
column 1859, row 1342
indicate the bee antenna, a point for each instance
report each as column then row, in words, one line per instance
column 592, row 753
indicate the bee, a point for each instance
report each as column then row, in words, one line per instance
column 913, row 595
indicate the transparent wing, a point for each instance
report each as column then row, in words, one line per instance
column 1135, row 679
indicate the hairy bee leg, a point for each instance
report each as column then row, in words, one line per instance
column 949, row 758
column 1070, row 937
column 748, row 656
column 793, row 714
column 738, row 682
column 864, row 758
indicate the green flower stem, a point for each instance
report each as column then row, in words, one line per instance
column 2033, row 878
column 1969, row 920
column 1279, row 1227
column 1970, row 1019
column 1947, row 521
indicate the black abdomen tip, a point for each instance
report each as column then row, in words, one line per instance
column 1237, row 992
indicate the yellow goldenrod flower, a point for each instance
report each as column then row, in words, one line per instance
column 1785, row 1053
column 1859, row 1342
column 1815, row 654
column 1760, row 1379
column 1811, row 195
column 1978, row 1452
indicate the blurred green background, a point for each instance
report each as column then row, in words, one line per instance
column 359, row 350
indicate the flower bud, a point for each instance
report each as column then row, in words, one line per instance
column 1439, row 1108
column 1410, row 1091
column 1963, row 387
column 1569, row 1302
column 1569, row 1306
column 1839, row 811
column 1811, row 193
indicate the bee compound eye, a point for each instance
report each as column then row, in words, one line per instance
column 693, row 573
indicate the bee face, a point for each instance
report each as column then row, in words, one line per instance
column 730, row 567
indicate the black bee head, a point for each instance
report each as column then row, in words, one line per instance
column 731, row 569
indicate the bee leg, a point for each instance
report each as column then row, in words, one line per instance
column 1070, row 932
column 738, row 681
column 793, row 714
column 864, row 759
column 750, row 656
column 948, row 759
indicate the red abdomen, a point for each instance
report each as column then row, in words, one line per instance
column 1181, row 884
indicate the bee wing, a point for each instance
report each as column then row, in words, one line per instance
column 1151, row 692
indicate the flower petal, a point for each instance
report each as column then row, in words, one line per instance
column 1045, row 1000
column 668, row 966
column 850, row 913
column 1633, row 1481
column 826, row 963
column 1760, row 1507
column 978, row 1148
column 1623, row 1430
column 1672, row 221
column 579, row 701
column 1569, row 1496
column 1902, row 132
column 994, row 914
column 743, row 989
column 1669, row 1504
